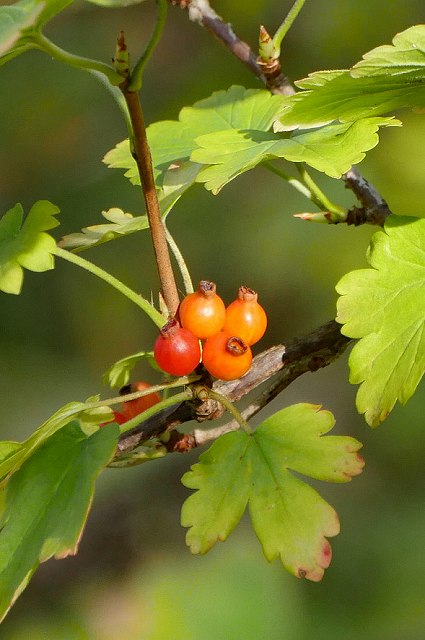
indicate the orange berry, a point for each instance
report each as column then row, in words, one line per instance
column 203, row 312
column 245, row 317
column 226, row 357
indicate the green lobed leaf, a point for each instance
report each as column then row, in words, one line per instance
column 46, row 504
column 27, row 448
column 290, row 519
column 384, row 307
column 389, row 77
column 171, row 141
column 26, row 245
column 17, row 20
column 406, row 56
column 331, row 149
column 118, row 374
column 222, row 481
column 122, row 224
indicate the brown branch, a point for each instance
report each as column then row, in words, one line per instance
column 374, row 209
column 311, row 352
column 142, row 155
column 201, row 12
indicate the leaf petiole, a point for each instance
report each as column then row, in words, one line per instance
column 44, row 44
column 310, row 190
column 137, row 73
column 187, row 281
column 204, row 392
column 287, row 24
column 297, row 184
column 318, row 197
column 169, row 402
column 141, row 302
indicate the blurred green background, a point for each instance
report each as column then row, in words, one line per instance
column 133, row 578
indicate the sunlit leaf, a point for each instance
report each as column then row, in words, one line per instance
column 120, row 224
column 406, row 56
column 388, row 78
column 331, row 149
column 26, row 245
column 172, row 141
column 46, row 504
column 290, row 518
column 385, row 308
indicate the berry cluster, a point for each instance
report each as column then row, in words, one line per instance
column 228, row 334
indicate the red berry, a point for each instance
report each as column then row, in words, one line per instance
column 245, row 317
column 176, row 349
column 119, row 418
column 203, row 312
column 226, row 357
column 132, row 408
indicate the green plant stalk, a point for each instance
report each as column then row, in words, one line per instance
column 108, row 402
column 169, row 402
column 87, row 64
column 287, row 24
column 297, row 184
column 318, row 197
column 179, row 382
column 187, row 280
column 137, row 73
column 141, row 302
column 230, row 407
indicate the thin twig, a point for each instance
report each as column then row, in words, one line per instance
column 201, row 12
column 375, row 210
column 317, row 349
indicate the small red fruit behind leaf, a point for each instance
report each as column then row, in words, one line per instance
column 119, row 418
column 132, row 408
column 245, row 317
column 203, row 312
column 226, row 357
column 176, row 349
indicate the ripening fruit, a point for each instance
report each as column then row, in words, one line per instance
column 226, row 357
column 245, row 317
column 132, row 408
column 119, row 418
column 176, row 349
column 203, row 312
